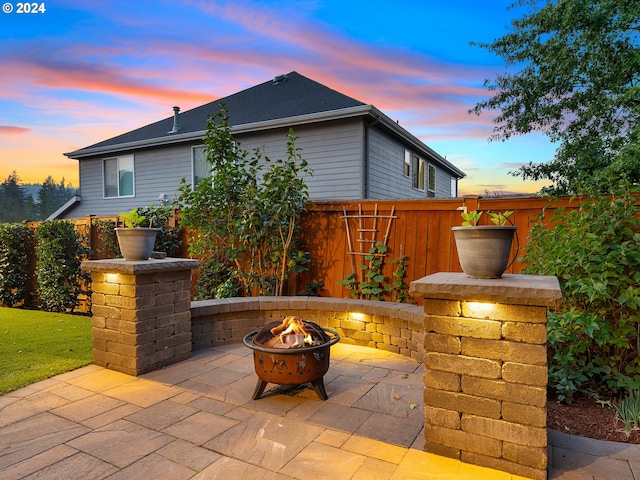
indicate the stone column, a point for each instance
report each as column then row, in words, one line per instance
column 486, row 369
column 141, row 313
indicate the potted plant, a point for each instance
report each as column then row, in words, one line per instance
column 137, row 238
column 484, row 250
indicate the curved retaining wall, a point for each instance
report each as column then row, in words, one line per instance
column 395, row 327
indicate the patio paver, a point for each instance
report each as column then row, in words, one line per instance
column 196, row 420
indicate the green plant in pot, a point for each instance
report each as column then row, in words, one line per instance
column 484, row 250
column 137, row 238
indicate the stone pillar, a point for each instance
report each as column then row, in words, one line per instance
column 486, row 369
column 141, row 313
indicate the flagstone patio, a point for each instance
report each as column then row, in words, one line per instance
column 196, row 419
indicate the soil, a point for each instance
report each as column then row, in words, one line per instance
column 588, row 418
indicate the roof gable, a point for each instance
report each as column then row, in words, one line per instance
column 285, row 96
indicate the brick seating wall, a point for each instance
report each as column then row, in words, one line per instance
column 394, row 327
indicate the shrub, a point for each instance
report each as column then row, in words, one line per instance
column 15, row 245
column 59, row 252
column 594, row 251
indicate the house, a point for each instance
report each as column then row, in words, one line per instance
column 354, row 150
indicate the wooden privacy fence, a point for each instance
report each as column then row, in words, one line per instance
column 417, row 229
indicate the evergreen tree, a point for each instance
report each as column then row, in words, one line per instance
column 52, row 196
column 14, row 204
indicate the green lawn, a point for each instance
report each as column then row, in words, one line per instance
column 36, row 345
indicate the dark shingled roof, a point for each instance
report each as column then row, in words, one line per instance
column 293, row 95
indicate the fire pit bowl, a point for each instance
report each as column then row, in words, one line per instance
column 281, row 359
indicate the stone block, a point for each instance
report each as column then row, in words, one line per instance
column 461, row 402
column 534, row 375
column 534, row 333
column 442, row 380
column 530, row 456
column 506, row 351
column 442, row 417
column 524, row 414
column 501, row 390
column 464, row 441
column 506, row 431
column 435, row 342
column 445, row 308
column 479, row 367
column 463, row 327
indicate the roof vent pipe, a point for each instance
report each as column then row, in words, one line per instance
column 176, row 125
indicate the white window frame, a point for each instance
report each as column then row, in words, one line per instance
column 418, row 173
column 120, row 169
column 194, row 174
column 431, row 180
column 454, row 187
column 407, row 163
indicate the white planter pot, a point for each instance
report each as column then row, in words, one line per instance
column 136, row 243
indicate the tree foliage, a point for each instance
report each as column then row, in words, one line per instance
column 579, row 83
column 18, row 205
column 594, row 250
column 244, row 216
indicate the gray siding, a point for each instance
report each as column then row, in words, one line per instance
column 333, row 151
column 157, row 171
column 386, row 171
column 386, row 167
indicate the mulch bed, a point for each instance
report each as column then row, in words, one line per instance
column 588, row 418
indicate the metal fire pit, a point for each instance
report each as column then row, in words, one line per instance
column 291, row 366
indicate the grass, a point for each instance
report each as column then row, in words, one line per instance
column 36, row 345
column 628, row 411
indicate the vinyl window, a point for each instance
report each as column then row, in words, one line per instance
column 119, row 177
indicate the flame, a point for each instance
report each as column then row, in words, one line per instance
column 293, row 326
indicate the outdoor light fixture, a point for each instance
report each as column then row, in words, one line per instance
column 481, row 309
column 111, row 277
column 356, row 316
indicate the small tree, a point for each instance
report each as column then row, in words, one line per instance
column 60, row 251
column 245, row 214
column 15, row 245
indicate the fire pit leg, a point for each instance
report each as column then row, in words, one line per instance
column 318, row 386
column 260, row 386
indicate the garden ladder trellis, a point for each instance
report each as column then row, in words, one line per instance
column 367, row 229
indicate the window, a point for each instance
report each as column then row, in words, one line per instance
column 454, row 187
column 201, row 168
column 118, row 176
column 407, row 163
column 415, row 169
column 431, row 184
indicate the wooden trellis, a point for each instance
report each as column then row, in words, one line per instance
column 366, row 226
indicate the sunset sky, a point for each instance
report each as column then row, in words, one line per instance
column 84, row 71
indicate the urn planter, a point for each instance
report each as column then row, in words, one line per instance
column 484, row 250
column 136, row 243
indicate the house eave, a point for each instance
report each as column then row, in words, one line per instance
column 416, row 143
column 342, row 113
column 65, row 208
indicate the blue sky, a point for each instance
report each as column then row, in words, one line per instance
column 81, row 72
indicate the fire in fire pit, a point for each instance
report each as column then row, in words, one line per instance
column 292, row 352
